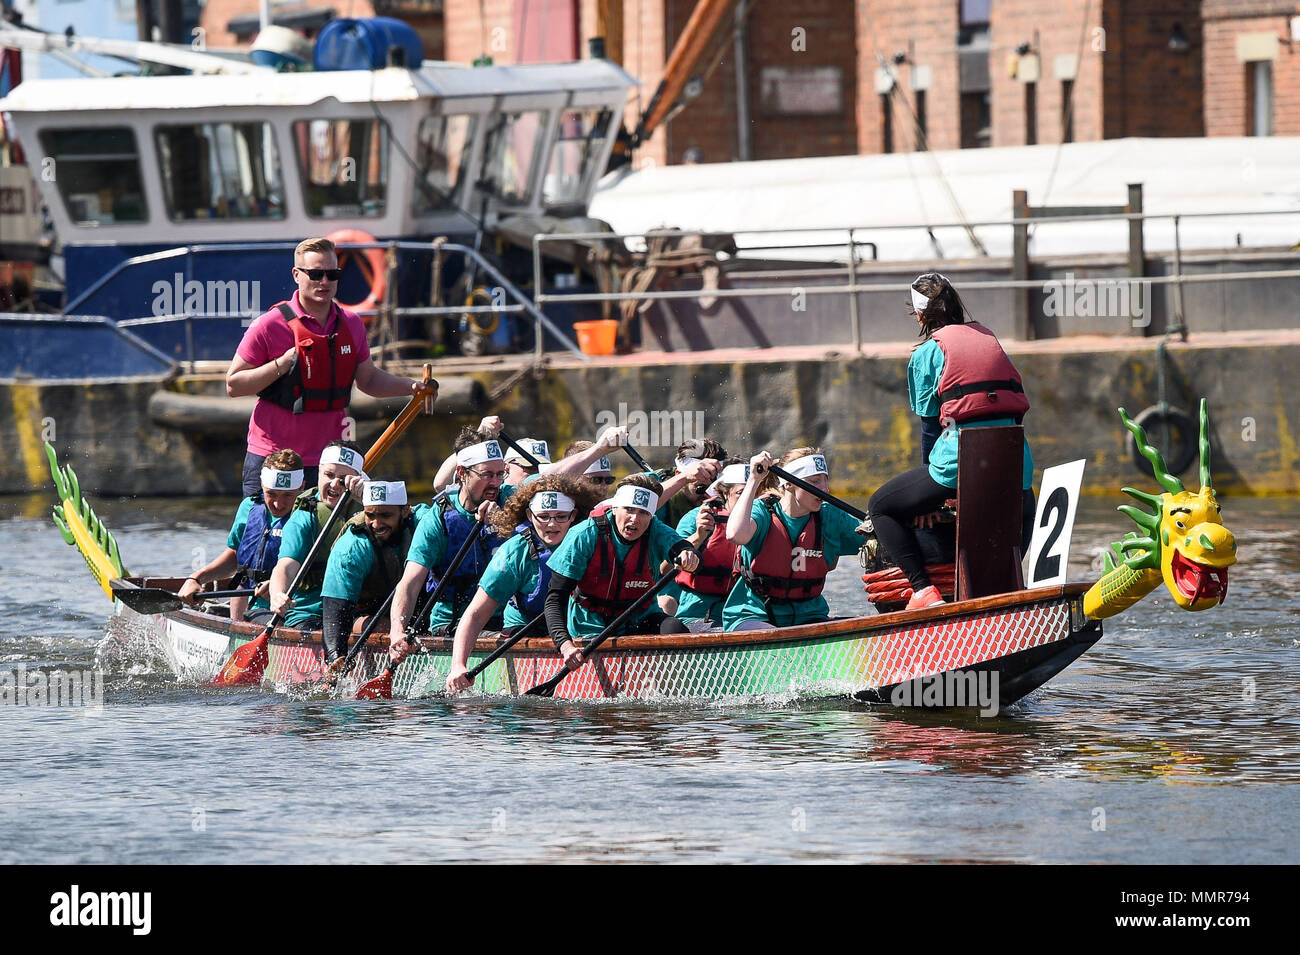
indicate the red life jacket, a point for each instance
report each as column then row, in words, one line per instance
column 773, row 574
column 717, row 571
column 978, row 379
column 609, row 586
column 324, row 367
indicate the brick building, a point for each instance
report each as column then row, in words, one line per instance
column 1252, row 68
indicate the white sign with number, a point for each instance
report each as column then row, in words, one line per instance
column 1049, row 549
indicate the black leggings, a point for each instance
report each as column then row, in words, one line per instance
column 910, row 495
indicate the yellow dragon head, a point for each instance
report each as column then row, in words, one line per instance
column 1185, row 538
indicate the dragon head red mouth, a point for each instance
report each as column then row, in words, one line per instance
column 1198, row 582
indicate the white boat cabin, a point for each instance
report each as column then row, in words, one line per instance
column 178, row 160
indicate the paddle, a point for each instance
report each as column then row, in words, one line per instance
column 381, row 687
column 366, row 631
column 636, row 457
column 812, row 489
column 532, row 461
column 547, row 689
column 150, row 600
column 496, row 654
column 249, row 662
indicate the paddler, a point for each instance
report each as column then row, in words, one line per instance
column 253, row 544
column 518, row 468
column 787, row 544
column 703, row 592
column 698, row 461
column 539, row 515
column 958, row 377
column 605, row 563
column 479, row 491
column 366, row 562
column 340, row 473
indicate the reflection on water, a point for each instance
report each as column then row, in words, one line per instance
column 1171, row 719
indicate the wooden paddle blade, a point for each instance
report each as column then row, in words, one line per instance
column 380, row 688
column 146, row 600
column 247, row 665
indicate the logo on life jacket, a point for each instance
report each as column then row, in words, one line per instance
column 640, row 498
column 799, row 557
column 345, row 350
column 637, row 583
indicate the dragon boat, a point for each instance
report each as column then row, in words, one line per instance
column 988, row 650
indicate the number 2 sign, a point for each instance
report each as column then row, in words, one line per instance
column 1058, row 499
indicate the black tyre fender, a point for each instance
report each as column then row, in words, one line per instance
column 1183, row 432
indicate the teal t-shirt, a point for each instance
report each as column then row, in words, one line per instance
column 839, row 539
column 429, row 546
column 690, row 605
column 512, row 570
column 923, row 374
column 299, row 534
column 351, row 560
column 576, row 550
column 236, row 535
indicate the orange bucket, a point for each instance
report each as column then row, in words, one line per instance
column 597, row 338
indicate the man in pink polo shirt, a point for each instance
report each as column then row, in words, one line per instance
column 300, row 358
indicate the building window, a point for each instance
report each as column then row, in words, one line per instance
column 976, row 121
column 1259, row 97
column 441, row 154
column 886, row 124
column 344, row 165
column 1031, row 114
column 98, row 174
column 1067, row 111
column 579, row 143
column 220, row 171
column 922, row 130
column 974, row 12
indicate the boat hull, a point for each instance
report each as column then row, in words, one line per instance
column 1018, row 641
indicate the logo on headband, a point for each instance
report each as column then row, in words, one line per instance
column 493, row 450
column 550, row 501
column 378, row 493
column 348, row 458
column 641, row 498
column 602, row 464
column 283, row 479
column 539, row 448
column 819, row 463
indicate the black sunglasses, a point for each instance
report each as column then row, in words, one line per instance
column 317, row 274
column 601, row 480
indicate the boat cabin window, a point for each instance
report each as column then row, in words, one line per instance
column 220, row 171
column 442, row 153
column 579, row 143
column 98, row 174
column 344, row 165
column 509, row 154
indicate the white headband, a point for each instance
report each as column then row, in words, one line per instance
column 919, row 301
column 601, row 465
column 629, row 495
column 681, row 464
column 536, row 448
column 277, row 480
column 478, row 453
column 385, row 493
column 337, row 454
column 810, row 465
column 731, row 474
column 550, row 501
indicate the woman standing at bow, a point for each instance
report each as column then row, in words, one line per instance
column 958, row 377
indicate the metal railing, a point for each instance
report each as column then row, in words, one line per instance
column 853, row 286
column 521, row 304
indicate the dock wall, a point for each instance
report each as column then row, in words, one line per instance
column 854, row 406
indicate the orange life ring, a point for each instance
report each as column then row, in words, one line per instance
column 372, row 261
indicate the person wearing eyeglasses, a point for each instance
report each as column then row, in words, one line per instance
column 538, row 516
column 301, row 358
column 479, row 492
